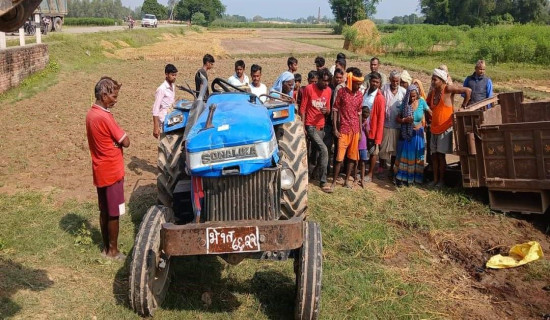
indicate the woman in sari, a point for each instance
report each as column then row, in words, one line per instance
column 409, row 163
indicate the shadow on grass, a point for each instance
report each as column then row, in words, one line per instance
column 80, row 227
column 13, row 277
column 137, row 165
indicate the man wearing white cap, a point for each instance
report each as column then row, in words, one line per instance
column 441, row 104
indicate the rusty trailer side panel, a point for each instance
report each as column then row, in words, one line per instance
column 507, row 149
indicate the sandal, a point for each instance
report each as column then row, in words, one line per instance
column 328, row 188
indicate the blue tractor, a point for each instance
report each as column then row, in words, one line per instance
column 233, row 183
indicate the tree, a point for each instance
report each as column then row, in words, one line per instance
column 153, row 7
column 477, row 12
column 211, row 9
column 350, row 11
column 198, row 19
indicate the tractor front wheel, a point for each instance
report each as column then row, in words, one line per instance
column 293, row 151
column 170, row 167
column 308, row 265
column 150, row 268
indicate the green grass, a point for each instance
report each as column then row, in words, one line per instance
column 52, row 268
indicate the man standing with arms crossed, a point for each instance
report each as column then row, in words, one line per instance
column 164, row 98
column 106, row 140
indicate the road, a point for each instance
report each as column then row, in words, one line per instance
column 94, row 29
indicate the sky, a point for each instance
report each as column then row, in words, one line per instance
column 293, row 9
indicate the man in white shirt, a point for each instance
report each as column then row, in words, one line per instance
column 256, row 86
column 164, row 98
column 239, row 79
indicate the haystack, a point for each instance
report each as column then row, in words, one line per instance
column 367, row 39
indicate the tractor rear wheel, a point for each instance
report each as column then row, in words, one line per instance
column 293, row 151
column 150, row 267
column 170, row 150
column 308, row 265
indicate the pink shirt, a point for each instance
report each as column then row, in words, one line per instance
column 164, row 98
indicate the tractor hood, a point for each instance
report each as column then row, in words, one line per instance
column 241, row 140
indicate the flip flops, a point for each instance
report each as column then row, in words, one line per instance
column 328, row 188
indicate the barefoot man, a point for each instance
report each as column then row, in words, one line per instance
column 106, row 140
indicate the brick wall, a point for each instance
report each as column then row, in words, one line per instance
column 16, row 63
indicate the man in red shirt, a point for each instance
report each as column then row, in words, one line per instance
column 347, row 108
column 375, row 101
column 106, row 140
column 314, row 106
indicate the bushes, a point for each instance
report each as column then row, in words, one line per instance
column 91, row 22
column 503, row 43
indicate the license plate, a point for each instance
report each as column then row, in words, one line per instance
column 232, row 240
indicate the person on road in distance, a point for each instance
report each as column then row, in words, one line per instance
column 164, row 98
column 347, row 109
column 481, row 85
column 394, row 94
column 375, row 101
column 292, row 64
column 410, row 157
column 239, row 79
column 439, row 101
column 207, row 64
column 256, row 86
column 315, row 105
column 374, row 66
column 342, row 57
column 106, row 140
column 319, row 63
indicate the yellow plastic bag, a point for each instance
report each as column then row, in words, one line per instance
column 519, row 255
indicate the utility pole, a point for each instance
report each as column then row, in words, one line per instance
column 319, row 16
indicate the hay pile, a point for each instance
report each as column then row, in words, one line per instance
column 363, row 37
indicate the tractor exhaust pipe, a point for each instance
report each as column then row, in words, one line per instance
column 208, row 123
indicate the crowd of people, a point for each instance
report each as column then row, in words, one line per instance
column 363, row 123
column 369, row 125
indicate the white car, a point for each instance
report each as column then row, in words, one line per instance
column 149, row 20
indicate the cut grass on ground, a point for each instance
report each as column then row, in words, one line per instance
column 52, row 267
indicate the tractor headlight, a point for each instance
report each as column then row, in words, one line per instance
column 175, row 120
column 287, row 179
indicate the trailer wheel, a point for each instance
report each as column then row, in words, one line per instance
column 308, row 265
column 57, row 24
column 293, row 151
column 150, row 268
column 170, row 167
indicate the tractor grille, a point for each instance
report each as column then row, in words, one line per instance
column 253, row 197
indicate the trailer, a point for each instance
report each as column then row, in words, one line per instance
column 55, row 11
column 504, row 145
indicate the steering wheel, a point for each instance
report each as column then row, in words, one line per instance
column 224, row 85
column 276, row 95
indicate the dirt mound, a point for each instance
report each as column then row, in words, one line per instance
column 362, row 37
column 454, row 267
